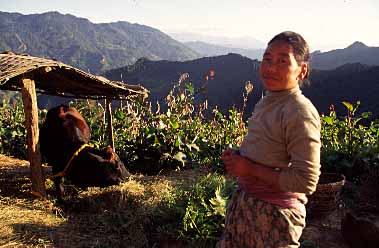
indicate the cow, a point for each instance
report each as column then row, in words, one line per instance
column 64, row 142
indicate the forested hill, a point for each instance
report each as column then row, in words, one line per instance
column 350, row 82
column 224, row 90
column 78, row 42
column 355, row 53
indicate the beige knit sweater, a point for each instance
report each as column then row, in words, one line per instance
column 284, row 133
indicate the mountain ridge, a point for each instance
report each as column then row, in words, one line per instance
column 141, row 54
column 208, row 49
column 357, row 52
column 350, row 82
column 81, row 43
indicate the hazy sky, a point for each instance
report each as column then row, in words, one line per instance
column 325, row 24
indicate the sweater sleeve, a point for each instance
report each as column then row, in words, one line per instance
column 302, row 134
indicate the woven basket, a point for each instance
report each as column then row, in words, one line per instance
column 325, row 199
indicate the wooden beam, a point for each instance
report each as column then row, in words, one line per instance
column 29, row 98
column 108, row 111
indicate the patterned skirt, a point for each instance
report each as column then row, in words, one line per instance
column 257, row 224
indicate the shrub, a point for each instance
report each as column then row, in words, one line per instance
column 349, row 147
column 205, row 208
column 12, row 130
column 176, row 135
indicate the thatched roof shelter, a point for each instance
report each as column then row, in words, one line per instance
column 55, row 78
column 28, row 74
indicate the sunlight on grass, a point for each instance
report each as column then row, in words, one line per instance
column 24, row 222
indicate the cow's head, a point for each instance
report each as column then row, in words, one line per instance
column 110, row 166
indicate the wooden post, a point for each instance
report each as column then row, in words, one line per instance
column 29, row 98
column 108, row 111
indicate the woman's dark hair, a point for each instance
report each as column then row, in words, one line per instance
column 300, row 48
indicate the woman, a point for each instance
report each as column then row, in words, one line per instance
column 278, row 163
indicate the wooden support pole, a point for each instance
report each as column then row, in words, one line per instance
column 108, row 111
column 29, row 98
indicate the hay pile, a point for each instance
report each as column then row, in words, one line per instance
column 135, row 213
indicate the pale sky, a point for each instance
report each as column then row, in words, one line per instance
column 325, row 24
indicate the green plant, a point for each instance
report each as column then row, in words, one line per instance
column 205, row 208
column 347, row 145
column 12, row 130
column 94, row 114
column 175, row 135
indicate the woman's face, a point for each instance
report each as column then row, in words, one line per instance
column 279, row 69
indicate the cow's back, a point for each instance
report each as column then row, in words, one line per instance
column 63, row 131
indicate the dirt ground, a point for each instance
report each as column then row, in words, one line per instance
column 321, row 231
column 325, row 231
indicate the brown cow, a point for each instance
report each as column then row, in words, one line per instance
column 64, row 138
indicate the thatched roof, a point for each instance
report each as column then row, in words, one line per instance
column 55, row 78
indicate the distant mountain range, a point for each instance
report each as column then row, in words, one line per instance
column 355, row 53
column 207, row 49
column 350, row 82
column 225, row 41
column 99, row 47
column 225, row 90
column 78, row 42
column 136, row 53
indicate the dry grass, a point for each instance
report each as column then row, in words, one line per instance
column 24, row 221
column 135, row 213
column 132, row 214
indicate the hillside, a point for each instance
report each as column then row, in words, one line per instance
column 225, row 90
column 78, row 42
column 351, row 82
column 145, row 55
column 355, row 53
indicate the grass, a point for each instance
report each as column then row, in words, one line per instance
column 24, row 221
column 135, row 213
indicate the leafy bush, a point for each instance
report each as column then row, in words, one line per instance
column 349, row 147
column 12, row 130
column 205, row 208
column 176, row 135
column 180, row 134
column 94, row 114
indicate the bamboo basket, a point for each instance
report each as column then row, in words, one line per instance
column 326, row 197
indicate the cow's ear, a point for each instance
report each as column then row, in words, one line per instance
column 109, row 153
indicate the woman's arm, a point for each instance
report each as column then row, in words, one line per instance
column 245, row 169
column 303, row 147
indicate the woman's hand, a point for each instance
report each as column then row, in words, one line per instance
column 235, row 164
column 239, row 166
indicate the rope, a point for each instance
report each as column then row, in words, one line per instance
column 63, row 173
